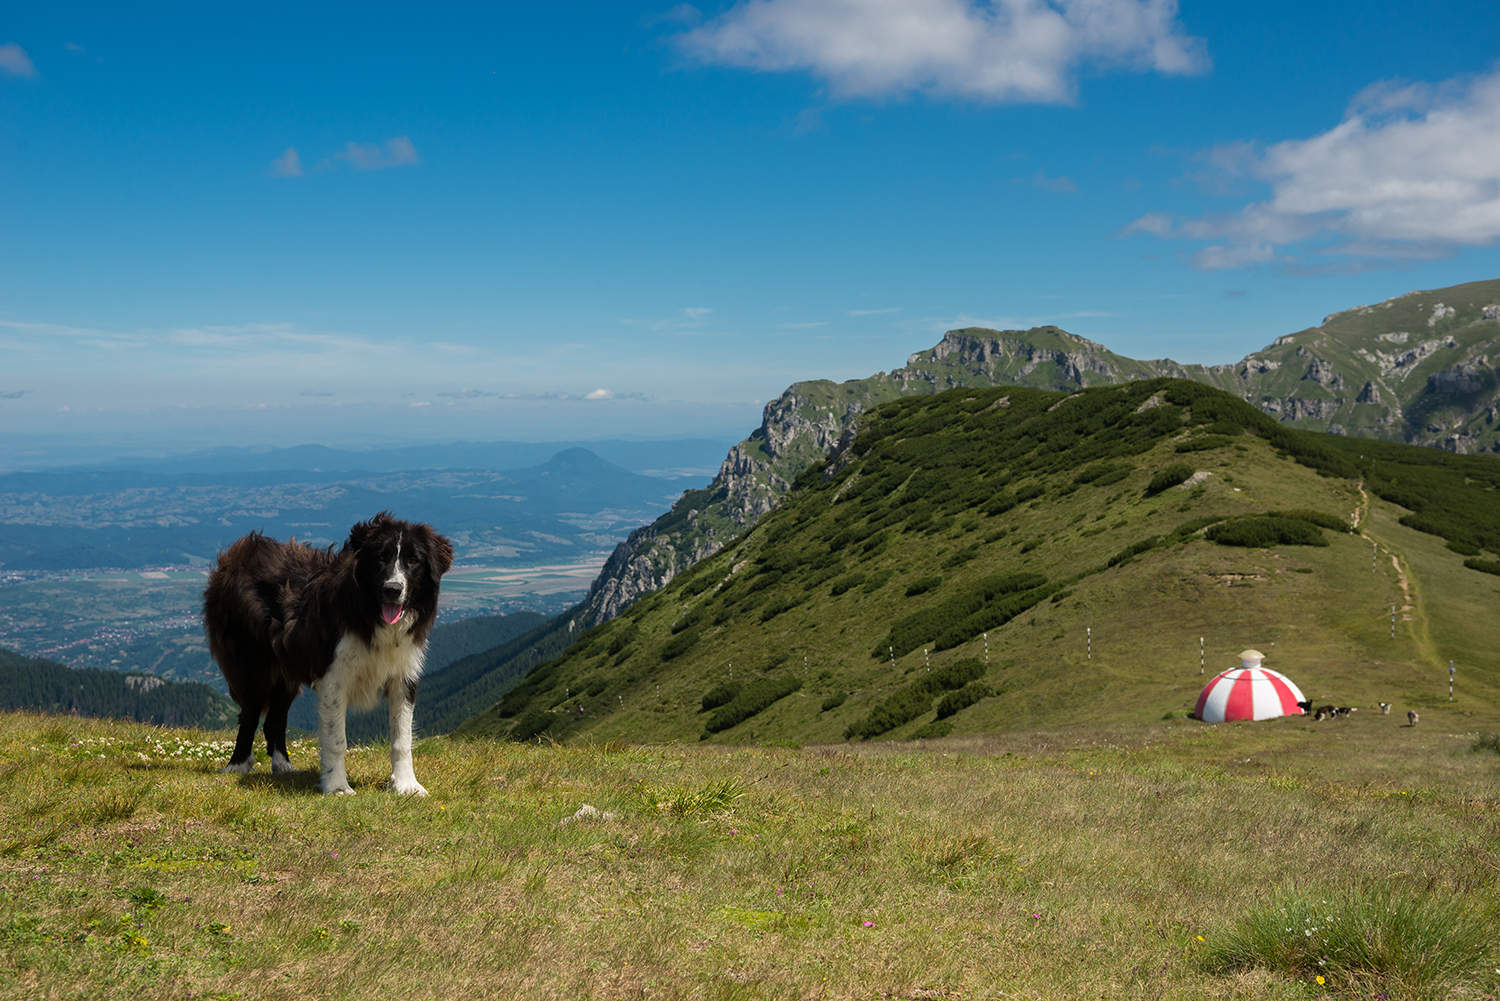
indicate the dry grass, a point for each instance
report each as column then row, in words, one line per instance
column 1066, row 864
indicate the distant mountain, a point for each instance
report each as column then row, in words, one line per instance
column 657, row 456
column 573, row 504
column 1416, row 368
column 1007, row 558
column 47, row 686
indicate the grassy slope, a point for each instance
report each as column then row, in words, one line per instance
column 1090, row 862
column 1329, row 628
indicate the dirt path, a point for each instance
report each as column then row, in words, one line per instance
column 1406, row 605
column 1361, row 511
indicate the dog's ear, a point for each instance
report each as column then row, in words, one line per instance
column 361, row 532
column 440, row 554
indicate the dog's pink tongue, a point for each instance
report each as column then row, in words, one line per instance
column 390, row 613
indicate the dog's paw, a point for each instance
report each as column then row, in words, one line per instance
column 343, row 790
column 412, row 788
column 280, row 765
column 240, row 768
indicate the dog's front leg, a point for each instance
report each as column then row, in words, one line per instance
column 402, row 696
column 333, row 707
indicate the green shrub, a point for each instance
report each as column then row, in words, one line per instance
column 1484, row 566
column 968, row 553
column 1129, row 552
column 932, row 731
column 1204, row 443
column 721, row 695
column 533, row 724
column 1193, row 527
column 679, row 644
column 834, row 701
column 1488, row 742
column 1029, row 492
column 846, row 582
column 1322, row 519
column 782, row 604
column 595, row 684
column 1000, row 504
column 1168, row 478
column 989, row 603
column 923, row 585
column 962, row 699
column 1102, row 470
column 1263, row 531
column 877, row 580
column 756, row 697
column 623, row 637
column 906, row 704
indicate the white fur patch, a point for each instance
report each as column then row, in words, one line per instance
column 359, row 673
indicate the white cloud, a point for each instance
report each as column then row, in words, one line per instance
column 395, row 152
column 15, row 61
column 999, row 51
column 1061, row 185
column 288, row 164
column 599, row 394
column 1411, row 172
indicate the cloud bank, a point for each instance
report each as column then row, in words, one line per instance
column 15, row 61
column 1000, row 51
column 1411, row 173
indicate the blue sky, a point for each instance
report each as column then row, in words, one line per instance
column 281, row 224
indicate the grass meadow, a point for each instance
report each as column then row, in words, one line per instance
column 1282, row 859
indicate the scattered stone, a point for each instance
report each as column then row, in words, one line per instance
column 587, row 812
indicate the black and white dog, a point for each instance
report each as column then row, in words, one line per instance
column 352, row 625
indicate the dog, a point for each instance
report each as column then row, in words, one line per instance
column 1412, row 717
column 351, row 625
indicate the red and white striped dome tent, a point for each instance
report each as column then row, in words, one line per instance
column 1249, row 692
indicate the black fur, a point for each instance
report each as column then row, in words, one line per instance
column 274, row 613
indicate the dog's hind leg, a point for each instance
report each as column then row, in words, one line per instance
column 281, row 700
column 333, row 707
column 402, row 696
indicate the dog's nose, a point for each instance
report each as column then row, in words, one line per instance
column 391, row 591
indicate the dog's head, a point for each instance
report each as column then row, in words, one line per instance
column 399, row 564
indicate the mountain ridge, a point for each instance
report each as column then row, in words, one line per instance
column 1300, row 379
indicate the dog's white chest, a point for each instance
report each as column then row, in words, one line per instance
column 361, row 671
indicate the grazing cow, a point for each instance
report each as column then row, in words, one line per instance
column 1411, row 717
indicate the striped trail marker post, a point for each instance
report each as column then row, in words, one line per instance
column 1200, row 654
column 1450, row 681
column 1091, row 641
column 1393, row 622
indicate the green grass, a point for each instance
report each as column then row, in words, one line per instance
column 1392, row 943
column 1129, row 861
